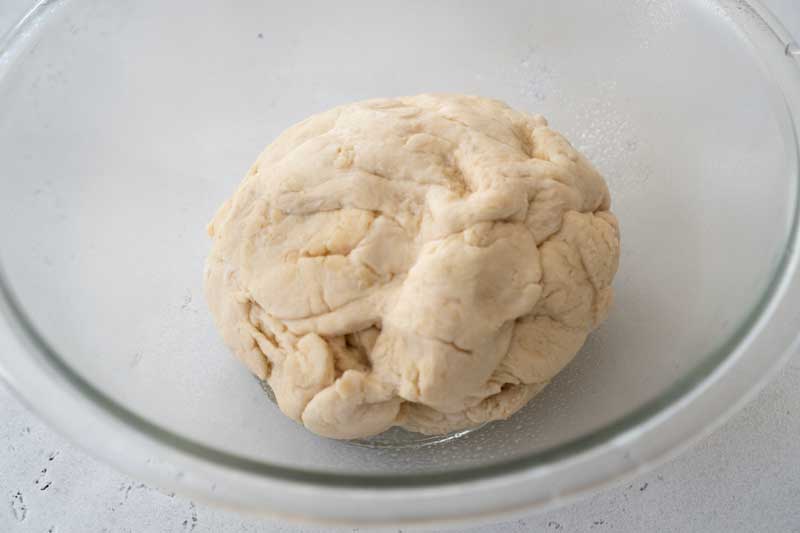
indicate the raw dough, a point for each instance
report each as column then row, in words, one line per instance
column 428, row 262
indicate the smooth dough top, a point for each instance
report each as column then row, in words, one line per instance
column 428, row 262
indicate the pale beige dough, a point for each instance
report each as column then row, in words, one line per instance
column 428, row 262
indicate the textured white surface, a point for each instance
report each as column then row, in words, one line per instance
column 745, row 477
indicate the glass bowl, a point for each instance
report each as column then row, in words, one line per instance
column 123, row 125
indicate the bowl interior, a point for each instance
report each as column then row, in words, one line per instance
column 124, row 125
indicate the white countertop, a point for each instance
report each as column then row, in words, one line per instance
column 744, row 477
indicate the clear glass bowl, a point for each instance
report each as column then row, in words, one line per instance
column 124, row 124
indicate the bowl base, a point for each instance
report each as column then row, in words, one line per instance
column 399, row 438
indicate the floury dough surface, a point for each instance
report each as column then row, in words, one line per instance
column 428, row 262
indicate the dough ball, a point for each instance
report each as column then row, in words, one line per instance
column 428, row 262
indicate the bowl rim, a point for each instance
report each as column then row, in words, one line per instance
column 635, row 440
